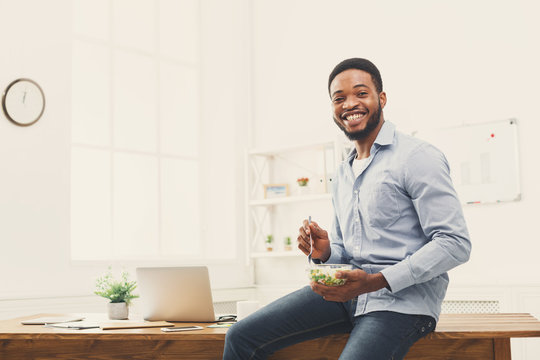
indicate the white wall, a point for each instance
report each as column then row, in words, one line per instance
column 34, row 161
column 34, row 191
column 443, row 63
column 225, row 110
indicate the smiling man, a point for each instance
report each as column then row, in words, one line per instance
column 397, row 220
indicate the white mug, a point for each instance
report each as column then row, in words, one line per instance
column 244, row 308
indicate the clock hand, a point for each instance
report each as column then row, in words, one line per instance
column 24, row 97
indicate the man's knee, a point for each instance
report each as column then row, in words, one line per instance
column 236, row 341
column 233, row 332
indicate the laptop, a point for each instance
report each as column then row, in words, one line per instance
column 179, row 294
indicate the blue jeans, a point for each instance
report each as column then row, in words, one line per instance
column 304, row 315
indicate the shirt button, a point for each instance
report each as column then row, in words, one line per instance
column 356, row 191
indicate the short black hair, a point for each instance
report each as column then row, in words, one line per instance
column 360, row 64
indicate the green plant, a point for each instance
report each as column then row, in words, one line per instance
column 288, row 241
column 116, row 291
column 269, row 239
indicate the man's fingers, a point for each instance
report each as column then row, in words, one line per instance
column 303, row 245
column 315, row 229
column 304, row 232
column 305, row 225
column 348, row 274
column 303, row 249
column 327, row 293
column 303, row 240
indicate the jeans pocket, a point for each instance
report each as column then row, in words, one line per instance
column 423, row 326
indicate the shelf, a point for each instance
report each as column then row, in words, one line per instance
column 301, row 147
column 290, row 199
column 271, row 254
column 283, row 165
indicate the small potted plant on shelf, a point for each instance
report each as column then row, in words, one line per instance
column 119, row 292
column 302, row 185
column 269, row 240
column 288, row 243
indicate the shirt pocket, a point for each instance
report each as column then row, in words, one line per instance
column 382, row 206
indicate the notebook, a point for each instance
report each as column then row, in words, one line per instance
column 128, row 324
column 180, row 294
column 76, row 325
column 51, row 320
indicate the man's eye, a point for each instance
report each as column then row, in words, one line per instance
column 336, row 100
column 363, row 93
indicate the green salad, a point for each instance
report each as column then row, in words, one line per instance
column 326, row 275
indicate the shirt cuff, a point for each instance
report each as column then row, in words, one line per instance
column 399, row 276
column 335, row 256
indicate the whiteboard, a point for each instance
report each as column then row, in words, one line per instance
column 483, row 158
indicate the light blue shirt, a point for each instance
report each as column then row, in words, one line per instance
column 401, row 217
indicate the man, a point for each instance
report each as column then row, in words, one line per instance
column 397, row 221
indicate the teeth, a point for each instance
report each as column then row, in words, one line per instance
column 354, row 117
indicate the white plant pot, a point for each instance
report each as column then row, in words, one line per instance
column 118, row 311
column 303, row 190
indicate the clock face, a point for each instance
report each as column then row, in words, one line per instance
column 23, row 102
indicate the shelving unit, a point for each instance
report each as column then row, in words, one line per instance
column 290, row 199
column 275, row 254
column 283, row 166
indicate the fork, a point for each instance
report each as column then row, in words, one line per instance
column 310, row 242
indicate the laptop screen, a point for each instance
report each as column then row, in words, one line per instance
column 176, row 294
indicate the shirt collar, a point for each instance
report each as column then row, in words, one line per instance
column 386, row 134
column 384, row 137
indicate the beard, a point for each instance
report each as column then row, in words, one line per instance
column 372, row 123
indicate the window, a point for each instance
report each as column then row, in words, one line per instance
column 135, row 162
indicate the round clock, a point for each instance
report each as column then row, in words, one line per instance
column 23, row 102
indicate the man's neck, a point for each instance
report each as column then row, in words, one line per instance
column 363, row 147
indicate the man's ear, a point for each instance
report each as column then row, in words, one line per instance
column 382, row 99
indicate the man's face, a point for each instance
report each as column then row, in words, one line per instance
column 357, row 105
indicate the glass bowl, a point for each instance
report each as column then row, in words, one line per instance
column 326, row 273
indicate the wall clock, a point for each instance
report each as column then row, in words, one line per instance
column 23, row 102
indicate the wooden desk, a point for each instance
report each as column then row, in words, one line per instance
column 458, row 336
column 38, row 342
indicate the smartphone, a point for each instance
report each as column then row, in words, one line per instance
column 181, row 328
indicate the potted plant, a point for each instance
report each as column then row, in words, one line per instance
column 119, row 292
column 303, row 181
column 288, row 243
column 302, row 185
column 269, row 240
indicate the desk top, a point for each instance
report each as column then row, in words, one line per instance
column 497, row 325
column 450, row 326
column 13, row 329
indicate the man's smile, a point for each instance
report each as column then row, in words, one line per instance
column 353, row 118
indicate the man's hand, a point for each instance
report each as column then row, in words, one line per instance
column 358, row 282
column 321, row 243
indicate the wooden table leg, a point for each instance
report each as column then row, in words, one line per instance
column 501, row 349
